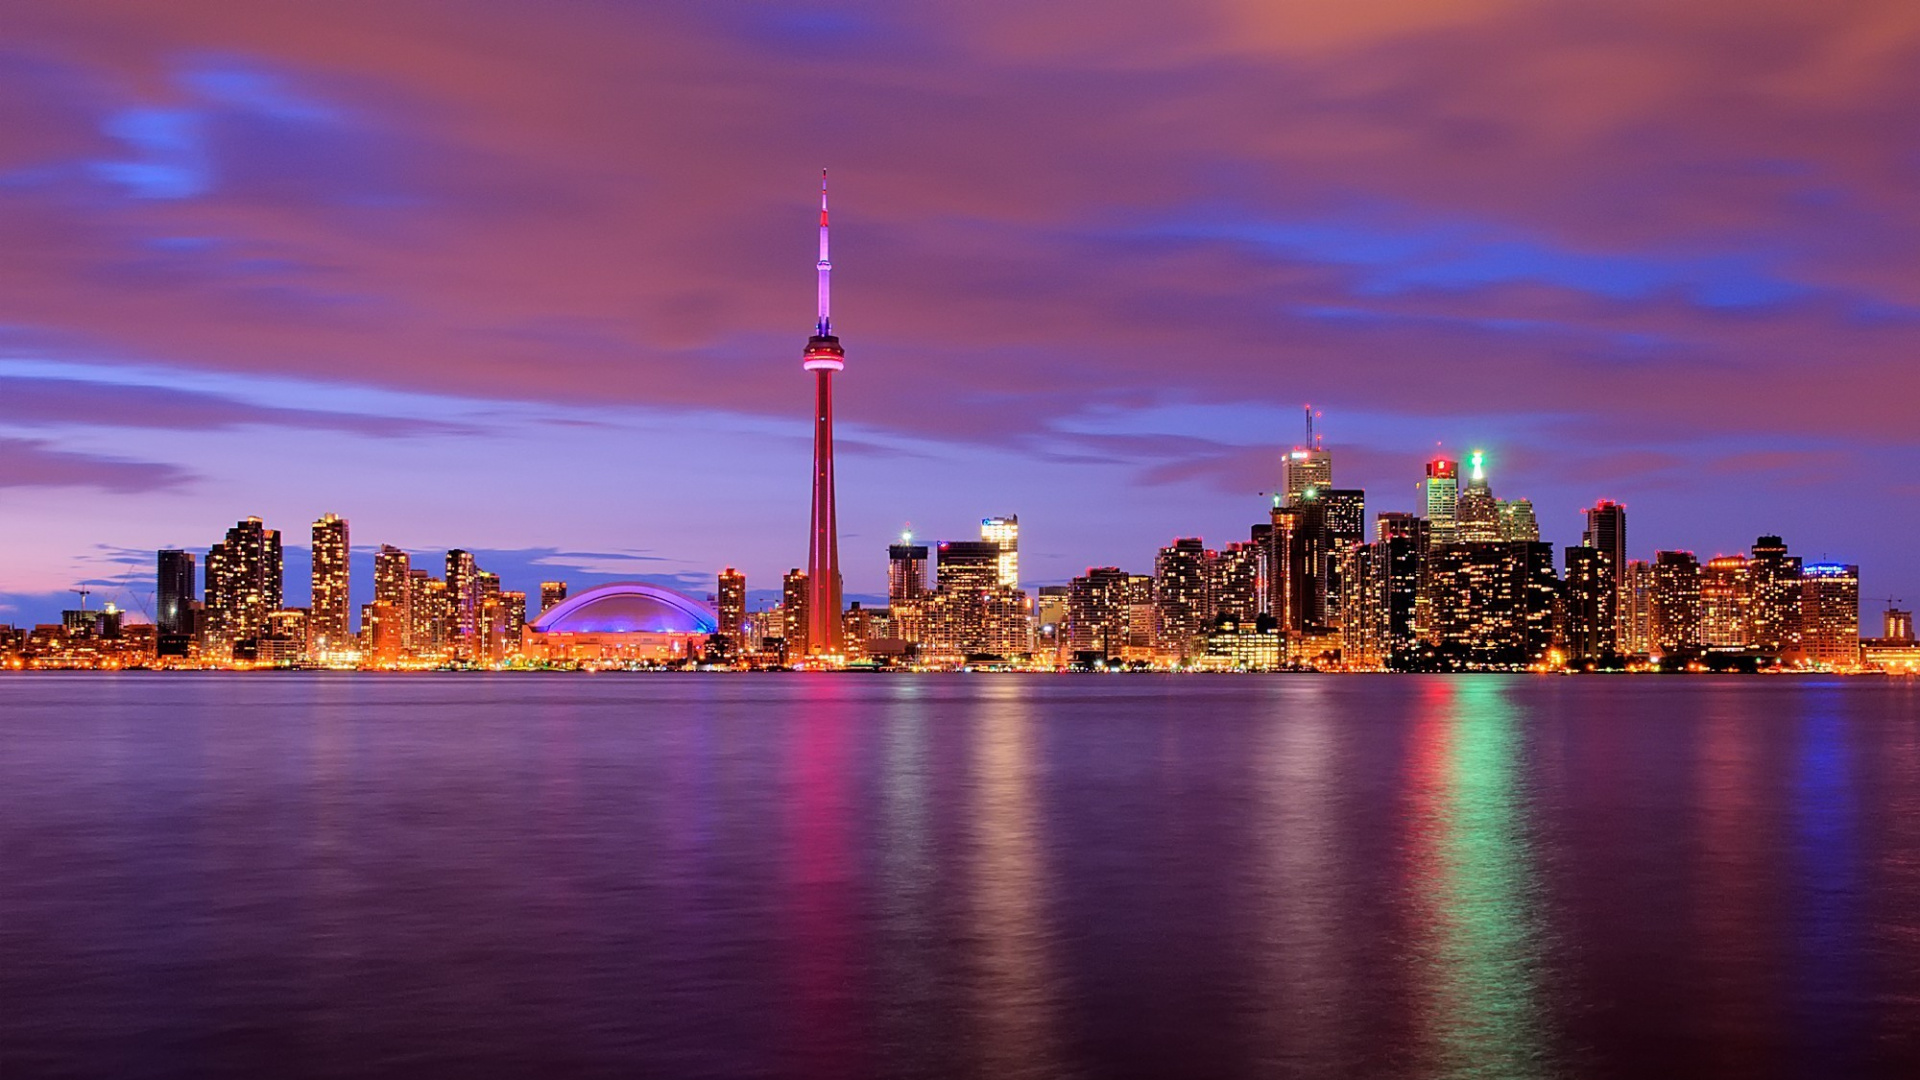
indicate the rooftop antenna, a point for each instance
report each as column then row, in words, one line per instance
column 1310, row 443
column 826, row 265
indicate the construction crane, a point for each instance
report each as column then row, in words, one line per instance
column 84, row 593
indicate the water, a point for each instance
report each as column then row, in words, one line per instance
column 990, row 876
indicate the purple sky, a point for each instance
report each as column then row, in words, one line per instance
column 533, row 278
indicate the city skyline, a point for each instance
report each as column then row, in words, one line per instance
column 256, row 277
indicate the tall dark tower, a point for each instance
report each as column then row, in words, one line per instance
column 823, row 357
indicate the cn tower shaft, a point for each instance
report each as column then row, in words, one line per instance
column 824, row 358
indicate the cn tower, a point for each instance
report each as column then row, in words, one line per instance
column 823, row 357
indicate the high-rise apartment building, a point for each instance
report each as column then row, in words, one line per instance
column 1830, row 615
column 552, row 595
column 1590, row 603
column 1606, row 532
column 1635, row 611
column 393, row 588
column 330, row 625
column 1776, row 597
column 430, row 615
column 731, row 604
column 1399, row 560
column 1098, row 613
column 244, row 585
column 1234, row 582
column 175, row 595
column 1440, row 497
column 1004, row 532
column 463, row 600
column 1676, row 603
column 794, row 624
column 1182, row 612
column 906, row 573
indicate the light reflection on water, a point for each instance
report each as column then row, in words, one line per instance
column 990, row 877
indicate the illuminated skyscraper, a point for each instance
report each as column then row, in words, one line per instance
column 1675, row 602
column 463, row 604
column 1398, row 562
column 823, row 357
column 328, row 627
column 731, row 597
column 1343, row 524
column 1590, row 605
column 1726, row 603
column 1307, row 467
column 907, row 589
column 1182, row 613
column 1477, row 514
column 1775, row 630
column 1098, row 613
column 393, row 588
column 244, row 584
column 1517, row 521
column 1830, row 614
column 431, row 616
column 1440, row 496
column 795, row 595
column 1004, row 531
column 551, row 594
column 1234, row 586
column 1606, row 532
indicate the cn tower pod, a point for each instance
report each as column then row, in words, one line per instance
column 823, row 354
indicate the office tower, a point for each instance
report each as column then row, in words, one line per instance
column 1634, row 615
column 1517, row 521
column 1097, row 614
column 463, row 604
column 823, row 357
column 1004, row 531
column 174, row 594
column 552, row 595
column 794, row 621
column 1591, row 605
column 1398, row 562
column 1775, row 630
column 1050, row 619
column 1182, row 612
column 1606, row 531
column 1477, row 514
column 1343, row 522
column 1675, row 623
column 1142, row 618
column 1293, row 552
column 244, row 584
column 1307, row 469
column 393, row 587
column 1493, row 603
column 1898, row 625
column 1440, row 497
column 732, row 603
column 1830, row 615
column 1726, row 603
column 1235, row 582
column 330, row 627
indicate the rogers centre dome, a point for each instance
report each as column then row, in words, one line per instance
column 627, row 620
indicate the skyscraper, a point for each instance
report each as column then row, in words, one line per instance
column 823, row 357
column 796, row 593
column 244, row 584
column 1440, row 496
column 907, row 589
column 732, row 603
column 1517, row 521
column 1675, row 623
column 1776, row 599
column 552, row 593
column 1591, row 604
column 329, row 628
column 1182, row 612
column 1830, row 614
column 1477, row 514
column 1607, row 532
column 1726, row 603
column 174, row 593
column 1005, row 531
column 393, row 590
column 1306, row 468
column 463, row 604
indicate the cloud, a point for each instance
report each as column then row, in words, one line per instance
column 54, row 402
column 35, row 463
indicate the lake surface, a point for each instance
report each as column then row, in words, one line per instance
column 931, row 876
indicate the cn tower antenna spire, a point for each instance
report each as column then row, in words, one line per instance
column 826, row 264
